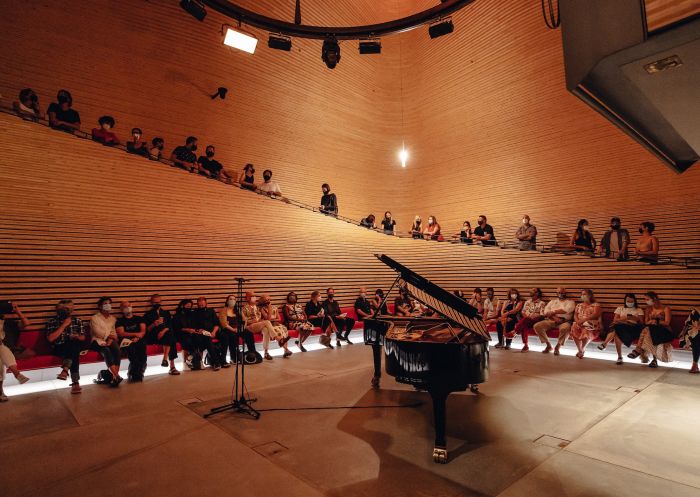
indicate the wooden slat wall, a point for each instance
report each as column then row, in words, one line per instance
column 661, row 13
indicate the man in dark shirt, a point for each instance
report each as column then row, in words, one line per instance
column 184, row 155
column 159, row 331
column 206, row 324
column 316, row 314
column 208, row 166
column 61, row 113
column 484, row 232
column 67, row 336
column 329, row 202
column 131, row 331
column 363, row 308
column 340, row 319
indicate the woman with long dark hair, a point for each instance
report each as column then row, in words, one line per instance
column 626, row 326
column 582, row 240
column 657, row 335
column 510, row 315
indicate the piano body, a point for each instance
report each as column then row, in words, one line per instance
column 441, row 354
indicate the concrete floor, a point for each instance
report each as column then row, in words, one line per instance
column 542, row 426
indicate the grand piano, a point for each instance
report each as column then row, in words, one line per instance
column 445, row 353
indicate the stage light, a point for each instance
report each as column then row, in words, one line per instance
column 441, row 28
column 220, row 93
column 403, row 156
column 240, row 40
column 370, row 47
column 194, row 8
column 330, row 53
column 279, row 42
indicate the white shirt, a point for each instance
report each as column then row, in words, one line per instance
column 491, row 307
column 102, row 327
column 624, row 312
column 270, row 187
column 567, row 305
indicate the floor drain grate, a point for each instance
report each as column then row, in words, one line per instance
column 554, row 442
column 189, row 402
column 269, row 449
column 628, row 389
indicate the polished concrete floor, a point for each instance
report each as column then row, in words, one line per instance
column 542, row 426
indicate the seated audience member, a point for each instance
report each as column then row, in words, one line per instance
column 269, row 187
column 297, row 320
column 228, row 321
column 582, row 240
column 28, row 105
column 657, row 335
column 690, row 338
column 526, row 235
column 7, row 358
column 510, row 315
column 432, row 230
column 270, row 313
column 368, row 222
column 558, row 313
column 132, row 328
column 484, row 232
column 388, row 224
column 329, row 202
column 156, row 150
column 626, row 326
column 465, row 234
column 403, row 305
column 316, row 314
column 103, row 134
column 61, row 114
column 460, row 294
column 136, row 145
column 254, row 322
column 193, row 344
column 533, row 312
column 206, row 324
column 184, row 155
column 212, row 168
column 159, row 330
column 615, row 241
column 340, row 319
column 363, row 307
column 247, row 178
column 416, row 228
column 104, row 338
column 477, row 300
column 647, row 248
column 587, row 321
column 379, row 303
column 67, row 335
column 491, row 306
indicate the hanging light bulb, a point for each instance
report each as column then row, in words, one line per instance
column 403, row 155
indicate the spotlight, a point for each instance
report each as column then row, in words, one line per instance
column 403, row 156
column 370, row 47
column 194, row 8
column 330, row 53
column 279, row 42
column 220, row 92
column 441, row 28
column 240, row 40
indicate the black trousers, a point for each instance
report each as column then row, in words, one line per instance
column 197, row 344
column 510, row 326
column 110, row 353
column 137, row 354
column 69, row 352
column 322, row 322
column 343, row 324
column 168, row 338
column 695, row 343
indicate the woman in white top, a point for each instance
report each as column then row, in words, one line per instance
column 626, row 326
column 492, row 309
column 104, row 338
column 254, row 322
column 7, row 358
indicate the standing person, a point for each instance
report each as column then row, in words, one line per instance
column 270, row 313
column 378, row 302
column 587, row 323
column 690, row 338
column 417, row 228
column 136, row 145
column 510, row 314
column 657, row 335
column 465, row 234
column 104, row 338
column 316, row 314
column 363, row 307
column 269, row 187
column 61, row 114
column 492, row 309
column 131, row 331
column 254, row 322
column 159, row 331
column 533, row 312
column 206, row 324
column 526, row 235
column 184, row 155
column 28, row 105
column 329, row 202
column 103, row 134
column 626, row 326
column 388, row 224
column 615, row 241
column 7, row 358
column 340, row 319
column 67, row 335
column 582, row 240
column 228, row 320
column 156, row 150
column 432, row 230
column 477, row 300
column 558, row 313
column 484, row 232
column 247, row 178
column 297, row 319
column 647, row 248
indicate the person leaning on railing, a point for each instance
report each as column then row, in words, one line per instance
column 368, row 222
column 27, row 106
column 103, row 134
column 184, row 155
column 136, row 145
column 582, row 240
column 61, row 114
column 484, row 232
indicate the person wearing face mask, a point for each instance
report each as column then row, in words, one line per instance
column 484, row 232
column 136, row 145
column 477, row 300
column 615, row 241
column 526, row 235
column 416, row 228
column 432, row 230
column 379, row 303
column 647, row 248
column 67, row 335
column 316, row 314
column 7, row 358
column 340, row 319
column 582, row 240
column 228, row 320
column 657, row 335
column 558, row 313
column 131, row 331
column 297, row 320
column 465, row 234
column 61, row 114
column 587, row 322
column 156, row 150
column 270, row 313
column 184, row 327
column 329, row 202
column 103, row 134
column 510, row 315
column 184, row 155
column 363, row 307
column 492, row 309
column 104, row 338
column 28, row 105
column 268, row 186
column 247, row 178
column 388, row 224
column 254, row 322
column 626, row 326
column 159, row 331
column 206, row 324
column 533, row 312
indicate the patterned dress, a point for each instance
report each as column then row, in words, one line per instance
column 295, row 318
column 590, row 329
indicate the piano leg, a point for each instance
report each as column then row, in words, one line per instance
column 439, row 400
column 377, row 355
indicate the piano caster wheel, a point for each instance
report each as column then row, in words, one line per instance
column 375, row 383
column 474, row 388
column 440, row 455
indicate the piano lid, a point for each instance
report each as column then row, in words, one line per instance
column 455, row 309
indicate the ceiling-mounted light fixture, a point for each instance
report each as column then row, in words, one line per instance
column 370, row 47
column 441, row 28
column 238, row 39
column 221, row 92
column 279, row 42
column 330, row 53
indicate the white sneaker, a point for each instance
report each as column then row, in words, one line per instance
column 4, row 398
column 22, row 379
